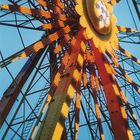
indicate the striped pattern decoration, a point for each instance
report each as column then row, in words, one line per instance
column 35, row 47
column 33, row 12
column 129, row 108
column 129, row 55
column 128, row 78
column 125, row 29
column 114, row 2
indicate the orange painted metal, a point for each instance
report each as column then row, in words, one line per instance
column 33, row 12
column 94, row 88
column 53, row 25
column 116, row 109
column 53, row 126
column 129, row 55
column 84, row 75
column 42, row 43
column 113, row 2
column 128, row 78
column 48, row 39
column 59, row 5
column 63, row 42
column 94, row 81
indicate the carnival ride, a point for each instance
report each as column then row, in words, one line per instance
column 70, row 76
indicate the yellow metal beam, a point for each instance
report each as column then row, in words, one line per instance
column 53, row 88
column 52, row 125
column 33, row 12
column 114, row 2
column 128, row 78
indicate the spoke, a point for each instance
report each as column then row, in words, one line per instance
column 32, row 12
column 78, row 81
column 112, row 93
column 124, row 29
column 114, row 2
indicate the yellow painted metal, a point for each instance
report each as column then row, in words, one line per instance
column 33, row 12
column 52, row 125
column 91, row 18
column 128, row 78
column 54, row 86
column 125, row 29
column 129, row 55
column 94, row 16
column 77, row 110
column 114, row 2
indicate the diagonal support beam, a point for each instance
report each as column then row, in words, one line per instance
column 114, row 2
column 125, row 75
column 116, row 109
column 125, row 29
column 54, row 85
column 129, row 55
column 35, row 47
column 11, row 94
column 94, row 87
column 32, row 12
column 52, row 125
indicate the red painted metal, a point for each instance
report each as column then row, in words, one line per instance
column 116, row 109
column 11, row 94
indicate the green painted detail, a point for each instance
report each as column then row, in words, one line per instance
column 53, row 115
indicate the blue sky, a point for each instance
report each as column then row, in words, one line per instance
column 10, row 42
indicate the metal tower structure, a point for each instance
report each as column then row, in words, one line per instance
column 65, row 71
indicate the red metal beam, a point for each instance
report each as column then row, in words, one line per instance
column 11, row 94
column 116, row 110
column 94, row 87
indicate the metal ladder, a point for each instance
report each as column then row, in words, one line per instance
column 33, row 115
column 134, row 130
column 130, row 91
column 90, row 114
column 103, row 105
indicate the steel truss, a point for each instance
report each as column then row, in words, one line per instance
column 54, row 90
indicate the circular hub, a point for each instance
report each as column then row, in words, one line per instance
column 98, row 15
